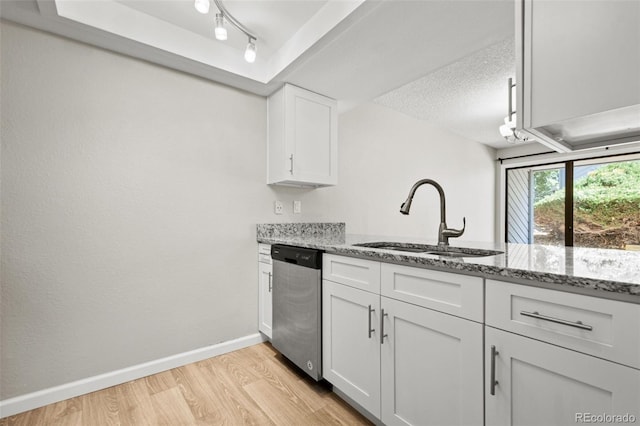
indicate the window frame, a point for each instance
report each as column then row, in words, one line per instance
column 548, row 160
column 530, row 199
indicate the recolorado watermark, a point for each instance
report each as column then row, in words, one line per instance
column 605, row 418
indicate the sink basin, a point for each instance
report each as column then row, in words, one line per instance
column 431, row 249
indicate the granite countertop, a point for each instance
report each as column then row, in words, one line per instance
column 613, row 274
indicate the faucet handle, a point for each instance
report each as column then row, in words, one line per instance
column 452, row 233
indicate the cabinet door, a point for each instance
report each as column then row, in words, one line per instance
column 542, row 384
column 351, row 352
column 264, row 299
column 431, row 367
column 583, row 57
column 578, row 67
column 311, row 135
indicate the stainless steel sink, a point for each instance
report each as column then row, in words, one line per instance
column 431, row 249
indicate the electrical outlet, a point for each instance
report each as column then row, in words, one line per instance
column 278, row 208
column 297, row 207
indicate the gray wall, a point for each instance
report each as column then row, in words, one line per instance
column 129, row 199
column 383, row 153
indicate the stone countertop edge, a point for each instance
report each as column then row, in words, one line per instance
column 493, row 267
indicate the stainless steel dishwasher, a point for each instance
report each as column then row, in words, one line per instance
column 297, row 299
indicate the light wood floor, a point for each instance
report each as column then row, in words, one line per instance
column 252, row 386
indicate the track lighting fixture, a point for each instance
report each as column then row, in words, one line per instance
column 508, row 129
column 202, row 6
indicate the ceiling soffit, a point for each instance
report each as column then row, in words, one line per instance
column 119, row 18
column 437, row 60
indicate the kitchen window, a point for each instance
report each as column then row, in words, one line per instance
column 583, row 203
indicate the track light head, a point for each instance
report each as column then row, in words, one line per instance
column 202, row 6
column 220, row 31
column 251, row 52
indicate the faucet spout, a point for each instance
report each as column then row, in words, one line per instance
column 444, row 233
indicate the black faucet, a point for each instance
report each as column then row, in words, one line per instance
column 444, row 233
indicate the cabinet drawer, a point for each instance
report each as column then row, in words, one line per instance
column 604, row 328
column 455, row 294
column 358, row 273
column 264, row 253
column 264, row 249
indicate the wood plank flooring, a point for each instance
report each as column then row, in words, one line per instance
column 252, row 386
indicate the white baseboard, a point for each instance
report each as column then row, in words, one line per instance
column 19, row 404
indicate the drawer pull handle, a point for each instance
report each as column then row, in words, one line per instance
column 494, row 382
column 382, row 335
column 537, row 315
column 371, row 330
column 270, row 281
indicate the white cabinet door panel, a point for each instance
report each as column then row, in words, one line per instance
column 350, row 353
column 312, row 128
column 542, row 384
column 584, row 58
column 431, row 367
column 265, row 299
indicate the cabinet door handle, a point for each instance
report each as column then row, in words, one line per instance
column 371, row 330
column 537, row 315
column 494, row 382
column 382, row 335
column 291, row 159
column 511, row 111
column 269, row 282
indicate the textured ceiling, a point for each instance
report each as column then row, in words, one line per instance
column 468, row 96
column 400, row 41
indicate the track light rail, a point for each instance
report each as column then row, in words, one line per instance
column 233, row 21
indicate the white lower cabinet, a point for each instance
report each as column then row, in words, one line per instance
column 431, row 367
column 409, row 346
column 536, row 383
column 350, row 352
column 265, row 278
column 415, row 367
column 265, row 301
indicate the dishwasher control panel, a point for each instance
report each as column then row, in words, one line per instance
column 309, row 258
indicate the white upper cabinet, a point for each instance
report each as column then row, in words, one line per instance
column 578, row 72
column 303, row 138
